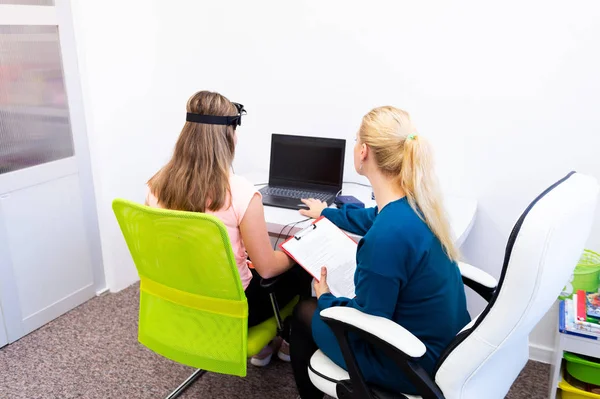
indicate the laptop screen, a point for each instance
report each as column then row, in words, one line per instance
column 306, row 162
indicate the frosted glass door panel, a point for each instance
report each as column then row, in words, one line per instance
column 34, row 115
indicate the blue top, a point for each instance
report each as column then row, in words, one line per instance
column 402, row 274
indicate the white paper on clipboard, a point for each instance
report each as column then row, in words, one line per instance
column 324, row 244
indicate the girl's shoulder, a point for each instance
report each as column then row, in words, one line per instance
column 242, row 192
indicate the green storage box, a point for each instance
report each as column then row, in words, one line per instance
column 586, row 275
column 583, row 369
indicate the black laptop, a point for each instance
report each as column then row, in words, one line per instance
column 304, row 167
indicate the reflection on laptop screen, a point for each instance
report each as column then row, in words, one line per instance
column 312, row 160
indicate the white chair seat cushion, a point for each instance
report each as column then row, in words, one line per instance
column 325, row 374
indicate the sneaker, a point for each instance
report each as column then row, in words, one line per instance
column 284, row 351
column 263, row 358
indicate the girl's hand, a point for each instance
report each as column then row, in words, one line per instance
column 321, row 286
column 315, row 207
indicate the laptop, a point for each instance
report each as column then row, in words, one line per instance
column 303, row 167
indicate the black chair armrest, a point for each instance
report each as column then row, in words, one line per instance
column 394, row 340
column 269, row 284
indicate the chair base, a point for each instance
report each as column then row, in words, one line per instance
column 186, row 384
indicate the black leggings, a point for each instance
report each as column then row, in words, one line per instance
column 302, row 347
column 295, row 281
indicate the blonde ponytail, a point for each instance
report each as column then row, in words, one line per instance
column 403, row 155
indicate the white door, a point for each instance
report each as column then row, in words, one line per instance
column 49, row 251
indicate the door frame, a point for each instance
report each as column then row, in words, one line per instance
column 74, row 92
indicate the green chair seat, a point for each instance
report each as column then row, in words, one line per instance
column 263, row 333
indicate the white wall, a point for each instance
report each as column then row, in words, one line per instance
column 507, row 92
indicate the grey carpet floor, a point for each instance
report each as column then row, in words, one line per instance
column 92, row 352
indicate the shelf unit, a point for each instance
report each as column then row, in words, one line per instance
column 569, row 343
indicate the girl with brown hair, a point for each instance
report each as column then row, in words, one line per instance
column 198, row 178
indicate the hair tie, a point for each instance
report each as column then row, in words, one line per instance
column 411, row 137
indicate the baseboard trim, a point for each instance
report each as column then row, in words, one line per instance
column 541, row 353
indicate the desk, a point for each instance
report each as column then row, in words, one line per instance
column 461, row 212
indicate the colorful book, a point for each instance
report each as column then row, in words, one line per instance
column 566, row 328
column 572, row 324
column 587, row 306
column 579, row 320
column 592, row 320
column 581, row 305
column 593, row 306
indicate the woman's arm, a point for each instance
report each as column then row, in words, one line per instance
column 350, row 218
column 354, row 220
column 267, row 262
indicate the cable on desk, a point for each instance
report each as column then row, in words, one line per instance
column 289, row 231
column 358, row 184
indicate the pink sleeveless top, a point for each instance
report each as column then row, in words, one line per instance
column 242, row 192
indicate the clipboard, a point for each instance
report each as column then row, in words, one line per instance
column 324, row 244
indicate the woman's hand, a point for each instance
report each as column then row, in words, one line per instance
column 321, row 286
column 315, row 207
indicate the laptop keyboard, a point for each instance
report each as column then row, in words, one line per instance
column 291, row 193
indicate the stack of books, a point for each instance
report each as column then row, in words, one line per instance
column 581, row 315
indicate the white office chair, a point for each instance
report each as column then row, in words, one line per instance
column 488, row 354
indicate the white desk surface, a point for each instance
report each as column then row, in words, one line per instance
column 461, row 212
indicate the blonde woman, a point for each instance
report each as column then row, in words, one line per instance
column 198, row 178
column 406, row 260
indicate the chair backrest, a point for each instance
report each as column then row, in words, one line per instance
column 542, row 251
column 193, row 309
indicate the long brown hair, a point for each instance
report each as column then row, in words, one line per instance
column 401, row 154
column 197, row 176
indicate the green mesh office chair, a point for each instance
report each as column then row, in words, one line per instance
column 193, row 309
